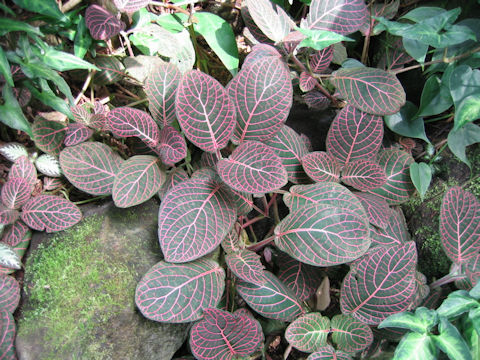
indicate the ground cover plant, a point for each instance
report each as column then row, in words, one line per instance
column 336, row 259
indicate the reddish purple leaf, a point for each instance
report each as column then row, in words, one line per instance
column 204, row 111
column 246, row 265
column 224, row 336
column 8, row 216
column 102, row 24
column 76, row 134
column 316, row 100
column 23, row 168
column 395, row 231
column 377, row 209
column 130, row 6
column 161, row 87
column 354, row 135
column 307, row 82
column 81, row 113
column 253, row 168
column 50, row 213
column 175, row 177
column 363, row 175
column 9, row 293
column 341, row 16
column 262, row 93
column 127, row 122
column 7, row 335
column 321, row 166
column 16, row 192
column 380, row 284
column 261, row 51
column 460, row 225
column 91, row 167
column 172, row 146
column 321, row 59
column 290, row 147
column 48, row 135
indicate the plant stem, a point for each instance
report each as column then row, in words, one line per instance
column 141, row 101
column 91, row 200
column 366, row 42
column 170, row 6
column 446, row 280
column 127, row 41
column 261, row 244
column 86, row 84
column 252, row 221
column 438, row 153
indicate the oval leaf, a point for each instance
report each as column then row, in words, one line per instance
column 253, row 168
column 179, row 293
column 48, row 135
column 9, row 258
column 373, row 91
column 377, row 209
column 316, row 100
column 395, row 231
column 8, row 216
column 9, row 293
column 364, row 175
column 48, row 165
column 111, row 71
column 349, row 334
column 101, row 24
column 175, row 177
column 321, row 59
column 329, row 353
column 12, row 151
column 321, row 166
column 7, row 335
column 246, row 265
column 91, row 167
column 307, row 82
column 15, row 193
column 130, row 6
column 172, row 147
column 309, row 332
column 76, row 134
column 270, row 18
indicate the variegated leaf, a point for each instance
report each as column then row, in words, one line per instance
column 111, row 70
column 48, row 135
column 81, row 113
column 309, row 332
column 376, row 207
column 329, row 353
column 8, row 216
column 251, row 31
column 350, row 335
column 12, row 151
column 76, row 134
column 8, row 257
column 316, row 100
column 172, row 147
column 175, row 177
column 363, row 175
column 130, row 6
column 18, row 237
column 102, row 24
column 259, row 52
column 321, row 166
column 9, row 293
column 246, row 265
column 48, row 165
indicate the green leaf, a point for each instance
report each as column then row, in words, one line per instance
column 415, row 49
column 421, row 322
column 45, row 7
column 7, row 9
column 48, row 135
column 435, row 98
column 11, row 113
column 459, row 139
column 407, row 123
column 82, row 40
column 350, row 335
column 475, row 292
column 9, row 258
column 474, row 316
column 7, row 25
column 464, row 82
column 48, row 97
column 172, row 22
column 415, row 346
column 421, row 175
column 308, row 333
column 62, row 61
column 468, row 111
column 450, row 341
column 5, row 68
column 320, row 39
column 457, row 303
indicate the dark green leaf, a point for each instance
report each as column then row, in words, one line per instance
column 7, row 25
column 474, row 317
column 62, row 61
column 464, row 82
column 320, row 39
column 415, row 49
column 450, row 341
column 48, row 135
column 459, row 139
column 48, row 97
column 435, row 98
column 475, row 292
column 415, row 346
column 10, row 112
column 7, row 9
column 421, row 175
column 45, row 7
column 407, row 123
column 5, row 68
column 83, row 40
column 172, row 22
column 467, row 111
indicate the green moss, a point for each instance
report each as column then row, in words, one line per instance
column 71, row 270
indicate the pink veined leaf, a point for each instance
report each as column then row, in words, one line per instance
column 290, row 147
column 371, row 90
column 81, row 113
column 364, row 175
column 18, row 236
column 137, row 180
column 472, row 269
column 460, row 225
column 225, row 336
column 48, row 135
column 23, row 168
column 253, row 168
column 130, row 6
column 16, row 192
column 99, row 122
column 127, row 122
column 231, row 242
column 341, row 16
column 323, row 235
column 23, row 96
column 354, row 135
column 161, row 86
column 272, row 20
column 377, row 209
column 395, row 231
column 308, row 332
column 208, row 160
column 193, row 219
column 50, row 184
column 178, row 293
column 204, row 111
column 261, row 51
column 307, row 142
column 321, row 166
column 175, row 177
column 9, row 293
column 272, row 299
column 262, row 93
column 246, row 265
column 99, row 108
column 7, row 335
column 423, row 290
column 316, row 100
column 292, row 40
column 253, row 29
column 321, row 59
column 307, row 82
column 8, row 216
column 349, row 334
column 91, row 167
column 50, row 213
column 329, row 353
column 398, row 187
column 102, row 24
column 382, row 283
column 172, row 147
column 76, row 134
column 111, row 70
column 395, row 57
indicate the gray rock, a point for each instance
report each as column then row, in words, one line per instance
column 79, row 290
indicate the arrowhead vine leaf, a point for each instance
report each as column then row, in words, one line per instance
column 321, row 166
column 246, row 265
column 179, row 293
column 9, row 293
column 172, row 147
column 102, row 24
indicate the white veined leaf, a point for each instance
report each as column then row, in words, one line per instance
column 8, row 257
column 12, row 151
column 48, row 165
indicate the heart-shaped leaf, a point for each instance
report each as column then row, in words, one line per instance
column 246, row 265
column 50, row 213
column 130, row 6
column 9, row 258
column 364, row 175
column 175, row 177
column 307, row 82
column 8, row 216
column 172, row 147
column 9, row 293
column 395, row 231
column 290, row 147
column 7, row 335
column 329, row 353
column 377, row 209
column 12, row 151
column 272, row 299
column 161, row 87
column 179, row 293
column 341, row 16
column 76, row 134
column 349, row 334
column 398, row 187
column 354, row 135
column 111, row 70
column 48, row 165
column 194, row 218
column 323, row 235
column 127, row 122
column 262, row 93
column 138, row 179
column 321, row 166
column 270, row 18
column 15, row 193
column 253, row 168
column 91, row 167
column 204, row 111
column 380, row 284
column 316, row 100
column 224, row 336
column 373, row 91
column 102, row 24
column 321, row 59
column 48, row 135
column 309, row 332
column 460, row 225
column 421, row 175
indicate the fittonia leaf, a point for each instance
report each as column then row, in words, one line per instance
column 246, row 265
column 172, row 147
column 175, row 177
column 364, row 175
column 8, row 216
column 394, row 233
column 9, row 293
column 307, row 82
column 48, row 165
column 111, row 71
column 259, row 52
column 7, row 334
column 309, row 332
column 316, row 100
column 321, row 59
column 376, row 207
column 12, row 151
column 102, row 24
column 48, row 135
column 179, row 293
column 77, row 133
column 329, row 353
column 9, row 258
column 15, row 193
column 349, row 334
column 130, row 6
column 272, row 20
column 321, row 166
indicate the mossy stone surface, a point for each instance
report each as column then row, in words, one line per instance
column 80, row 285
